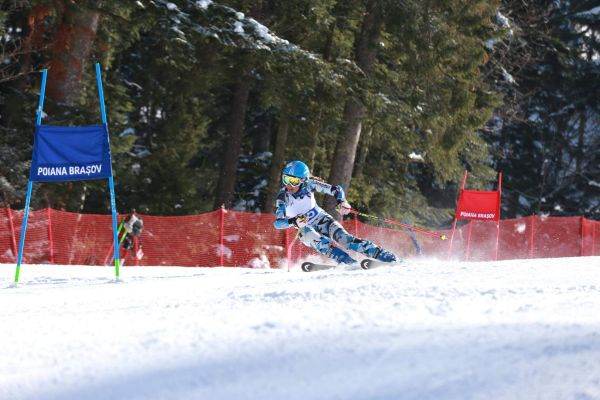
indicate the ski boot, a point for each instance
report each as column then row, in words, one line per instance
column 382, row 257
column 386, row 256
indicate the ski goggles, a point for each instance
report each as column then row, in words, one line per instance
column 290, row 180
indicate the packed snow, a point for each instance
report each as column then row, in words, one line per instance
column 526, row 329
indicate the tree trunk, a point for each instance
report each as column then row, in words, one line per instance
column 345, row 152
column 261, row 139
column 365, row 54
column 35, row 37
column 315, row 127
column 313, row 136
column 233, row 147
column 580, row 143
column 73, row 44
column 362, row 153
column 277, row 162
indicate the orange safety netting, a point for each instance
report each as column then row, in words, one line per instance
column 231, row 238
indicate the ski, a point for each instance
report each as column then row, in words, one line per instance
column 310, row 266
column 368, row 263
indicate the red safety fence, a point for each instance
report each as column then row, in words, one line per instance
column 231, row 238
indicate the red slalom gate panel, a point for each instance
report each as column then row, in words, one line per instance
column 241, row 239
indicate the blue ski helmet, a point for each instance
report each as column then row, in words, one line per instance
column 297, row 169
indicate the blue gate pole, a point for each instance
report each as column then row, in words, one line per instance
column 111, row 183
column 38, row 122
column 23, row 230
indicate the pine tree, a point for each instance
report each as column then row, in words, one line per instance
column 426, row 101
column 548, row 146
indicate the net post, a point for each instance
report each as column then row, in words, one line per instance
column 50, row 238
column 498, row 216
column 11, row 226
column 497, row 239
column 581, row 237
column 221, row 234
column 531, row 236
column 594, row 223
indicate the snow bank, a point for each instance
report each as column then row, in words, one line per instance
column 432, row 330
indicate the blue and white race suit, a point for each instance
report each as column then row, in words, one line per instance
column 321, row 229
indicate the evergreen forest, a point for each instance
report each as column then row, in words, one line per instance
column 392, row 99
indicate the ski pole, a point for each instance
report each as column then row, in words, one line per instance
column 407, row 226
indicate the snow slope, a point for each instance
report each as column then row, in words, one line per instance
column 527, row 329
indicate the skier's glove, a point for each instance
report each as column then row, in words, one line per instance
column 343, row 207
column 299, row 221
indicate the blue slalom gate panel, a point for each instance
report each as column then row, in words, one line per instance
column 70, row 153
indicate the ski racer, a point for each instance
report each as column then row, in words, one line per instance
column 296, row 207
column 132, row 226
